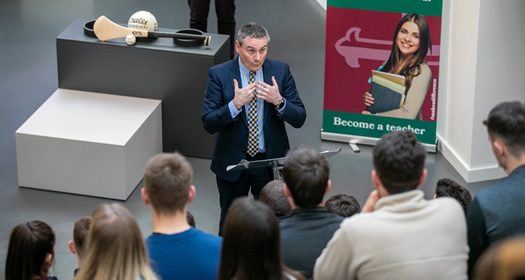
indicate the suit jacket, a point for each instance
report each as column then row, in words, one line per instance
column 304, row 235
column 496, row 213
column 232, row 134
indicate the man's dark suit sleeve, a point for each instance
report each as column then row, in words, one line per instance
column 216, row 114
column 294, row 113
column 477, row 237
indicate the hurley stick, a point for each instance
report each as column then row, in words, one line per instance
column 105, row 30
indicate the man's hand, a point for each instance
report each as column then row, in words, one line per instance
column 370, row 202
column 269, row 93
column 242, row 95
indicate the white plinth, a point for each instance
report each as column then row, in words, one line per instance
column 89, row 143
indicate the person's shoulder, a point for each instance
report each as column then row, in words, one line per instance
column 443, row 200
column 358, row 219
column 287, row 220
column 206, row 236
column 490, row 192
column 333, row 217
column 425, row 69
column 446, row 203
column 223, row 66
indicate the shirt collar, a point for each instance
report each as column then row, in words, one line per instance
column 245, row 71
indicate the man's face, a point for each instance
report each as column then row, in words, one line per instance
column 252, row 52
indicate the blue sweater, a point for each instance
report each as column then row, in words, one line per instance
column 192, row 254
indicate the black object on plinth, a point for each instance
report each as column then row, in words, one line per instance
column 157, row 69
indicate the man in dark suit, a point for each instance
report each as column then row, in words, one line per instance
column 248, row 99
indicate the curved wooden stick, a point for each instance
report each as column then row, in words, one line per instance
column 106, row 30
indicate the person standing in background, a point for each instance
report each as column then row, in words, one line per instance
column 225, row 10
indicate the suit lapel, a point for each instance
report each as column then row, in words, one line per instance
column 267, row 73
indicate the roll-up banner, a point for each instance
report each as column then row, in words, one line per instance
column 401, row 40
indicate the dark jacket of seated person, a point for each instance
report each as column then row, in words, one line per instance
column 305, row 233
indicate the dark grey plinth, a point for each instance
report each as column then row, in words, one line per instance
column 156, row 69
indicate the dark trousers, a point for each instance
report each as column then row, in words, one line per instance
column 253, row 180
column 225, row 10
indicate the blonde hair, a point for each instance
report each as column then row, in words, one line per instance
column 502, row 261
column 115, row 247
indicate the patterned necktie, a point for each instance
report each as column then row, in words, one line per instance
column 253, row 126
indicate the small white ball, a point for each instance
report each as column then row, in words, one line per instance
column 130, row 40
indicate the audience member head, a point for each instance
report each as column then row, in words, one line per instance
column 502, row 261
column 30, row 252
column 251, row 242
column 306, row 176
column 77, row 246
column 343, row 205
column 399, row 162
column 252, row 30
column 167, row 183
column 190, row 219
column 506, row 129
column 273, row 195
column 450, row 188
column 115, row 248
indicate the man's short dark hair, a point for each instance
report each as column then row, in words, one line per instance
column 306, row 174
column 450, row 188
column 273, row 195
column 343, row 205
column 80, row 233
column 167, row 180
column 507, row 120
column 399, row 160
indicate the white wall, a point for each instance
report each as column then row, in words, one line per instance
column 482, row 41
column 322, row 3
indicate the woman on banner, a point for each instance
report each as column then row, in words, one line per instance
column 409, row 49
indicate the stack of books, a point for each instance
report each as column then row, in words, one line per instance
column 388, row 91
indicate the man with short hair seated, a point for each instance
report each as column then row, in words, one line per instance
column 273, row 195
column 400, row 235
column 496, row 213
column 307, row 230
column 176, row 250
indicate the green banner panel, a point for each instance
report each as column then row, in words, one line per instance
column 422, row 7
column 376, row 126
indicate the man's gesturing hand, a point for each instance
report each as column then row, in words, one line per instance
column 269, row 93
column 242, row 95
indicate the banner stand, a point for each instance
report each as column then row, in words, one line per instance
column 362, row 37
column 370, row 141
